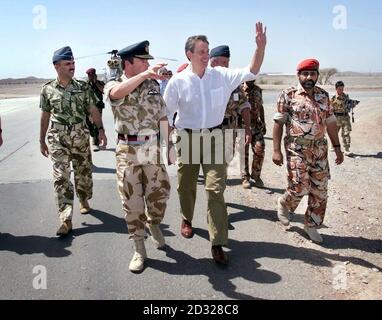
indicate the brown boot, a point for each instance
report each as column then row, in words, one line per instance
column 65, row 228
column 84, row 207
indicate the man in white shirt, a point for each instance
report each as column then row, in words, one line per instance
column 200, row 95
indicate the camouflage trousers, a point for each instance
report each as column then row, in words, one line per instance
column 308, row 174
column 70, row 147
column 93, row 129
column 143, row 185
column 344, row 125
column 258, row 150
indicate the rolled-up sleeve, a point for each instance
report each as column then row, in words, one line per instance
column 281, row 114
column 235, row 77
column 109, row 86
column 44, row 102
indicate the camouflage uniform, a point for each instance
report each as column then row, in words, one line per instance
column 68, row 140
column 93, row 129
column 142, row 179
column 306, row 149
column 255, row 98
column 341, row 112
column 236, row 104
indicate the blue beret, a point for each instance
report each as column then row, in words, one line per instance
column 221, row 51
column 64, row 53
column 138, row 50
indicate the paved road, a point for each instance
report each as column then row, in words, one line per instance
column 93, row 262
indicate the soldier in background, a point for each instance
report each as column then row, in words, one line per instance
column 143, row 183
column 340, row 103
column 259, row 129
column 238, row 105
column 65, row 102
column 306, row 112
column 97, row 87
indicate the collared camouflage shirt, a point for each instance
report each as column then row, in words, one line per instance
column 236, row 104
column 140, row 111
column 68, row 105
column 339, row 103
column 255, row 98
column 304, row 117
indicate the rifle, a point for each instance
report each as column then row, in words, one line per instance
column 350, row 105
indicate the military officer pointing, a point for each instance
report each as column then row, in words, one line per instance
column 64, row 103
column 143, row 183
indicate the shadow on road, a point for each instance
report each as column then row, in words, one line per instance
column 103, row 170
column 51, row 247
column 376, row 156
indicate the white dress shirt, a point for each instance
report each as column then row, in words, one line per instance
column 202, row 102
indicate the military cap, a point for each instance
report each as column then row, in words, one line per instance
column 64, row 53
column 138, row 50
column 308, row 64
column 221, row 51
column 91, row 71
column 340, row 84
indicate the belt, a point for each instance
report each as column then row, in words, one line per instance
column 68, row 127
column 340, row 114
column 307, row 142
column 199, row 130
column 134, row 139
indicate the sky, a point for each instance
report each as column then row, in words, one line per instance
column 342, row 34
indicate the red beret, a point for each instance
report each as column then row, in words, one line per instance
column 91, row 70
column 182, row 67
column 308, row 64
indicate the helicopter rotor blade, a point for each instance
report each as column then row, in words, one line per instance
column 168, row 59
column 91, row 55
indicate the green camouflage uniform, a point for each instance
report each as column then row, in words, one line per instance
column 343, row 118
column 255, row 98
column 68, row 141
column 143, row 183
column 306, row 149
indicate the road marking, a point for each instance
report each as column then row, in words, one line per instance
column 12, row 153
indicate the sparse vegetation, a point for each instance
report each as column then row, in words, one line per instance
column 325, row 75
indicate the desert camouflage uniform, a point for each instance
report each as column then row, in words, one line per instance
column 100, row 106
column 236, row 104
column 306, row 149
column 142, row 179
column 68, row 141
column 343, row 118
column 255, row 98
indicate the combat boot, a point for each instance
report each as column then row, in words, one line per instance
column 348, row 153
column 84, row 207
column 282, row 212
column 156, row 235
column 313, row 234
column 138, row 262
column 246, row 184
column 65, row 228
column 258, row 183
